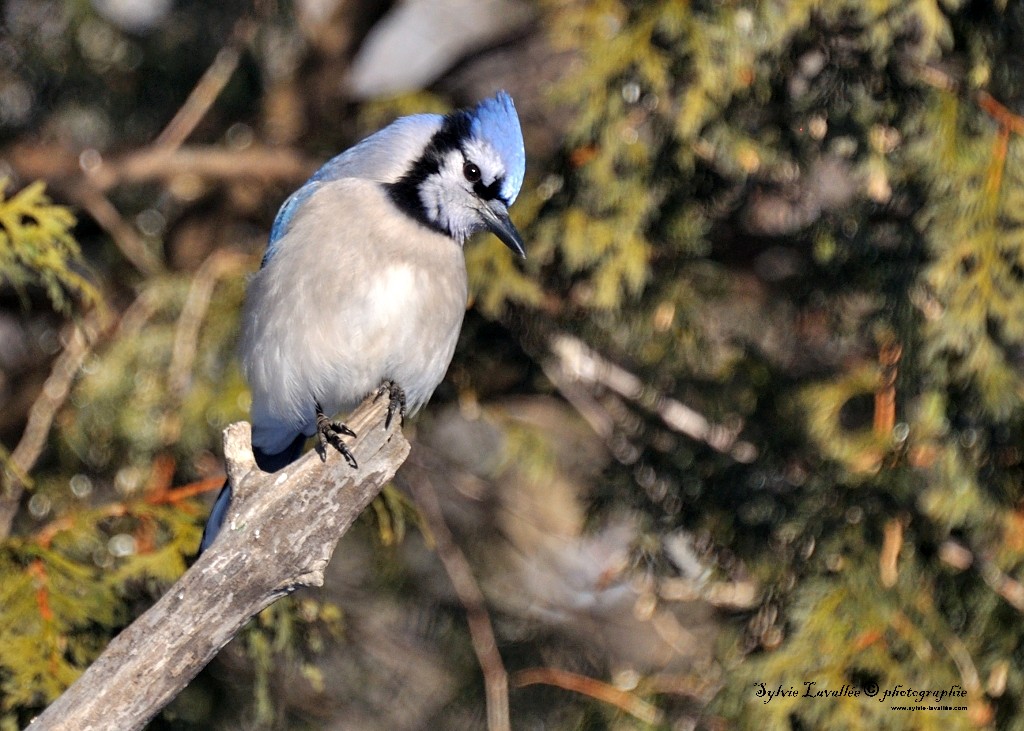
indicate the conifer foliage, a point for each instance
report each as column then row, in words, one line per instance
column 864, row 160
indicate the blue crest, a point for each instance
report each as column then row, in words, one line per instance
column 496, row 121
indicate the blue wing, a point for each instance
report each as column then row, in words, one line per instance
column 287, row 212
column 383, row 156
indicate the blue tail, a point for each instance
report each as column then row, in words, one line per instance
column 267, row 463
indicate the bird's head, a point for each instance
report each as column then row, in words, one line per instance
column 469, row 173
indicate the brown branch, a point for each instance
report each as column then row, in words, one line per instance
column 220, row 264
column 999, row 112
column 123, row 234
column 468, row 591
column 58, row 165
column 178, row 494
column 45, row 535
column 216, row 163
column 40, row 417
column 628, row 702
column 960, row 557
column 997, row 166
column 576, row 362
column 86, row 183
column 278, row 536
column 83, row 338
column 87, row 177
column 730, row 595
column 207, row 89
column 888, row 558
column 885, row 395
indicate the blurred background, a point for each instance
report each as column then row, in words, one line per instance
column 749, row 413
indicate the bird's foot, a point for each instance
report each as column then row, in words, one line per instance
column 329, row 432
column 396, row 400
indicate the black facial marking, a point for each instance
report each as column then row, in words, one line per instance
column 405, row 192
column 489, row 192
column 455, row 129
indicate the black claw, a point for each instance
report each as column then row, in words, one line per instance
column 329, row 432
column 396, row 400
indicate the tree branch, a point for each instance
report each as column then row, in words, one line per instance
column 61, row 167
column 278, row 536
column 628, row 702
column 209, row 87
column 460, row 573
column 41, row 415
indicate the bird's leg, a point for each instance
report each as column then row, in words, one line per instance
column 329, row 432
column 396, row 400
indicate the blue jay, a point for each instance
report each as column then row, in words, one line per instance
column 363, row 284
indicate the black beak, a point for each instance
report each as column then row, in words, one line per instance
column 495, row 215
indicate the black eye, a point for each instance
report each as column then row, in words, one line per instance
column 471, row 171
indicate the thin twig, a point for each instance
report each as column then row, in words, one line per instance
column 597, row 689
column 40, row 417
column 58, row 165
column 178, row 494
column 731, row 595
column 123, row 234
column 1011, row 590
column 460, row 573
column 82, row 339
column 961, row 656
column 45, row 535
column 207, row 89
column 87, row 176
column 581, row 363
column 1003, row 115
column 1006, row 118
column 220, row 264
column 960, row 557
column 580, row 399
column 885, row 395
column 265, row 164
column 954, row 646
column 888, row 558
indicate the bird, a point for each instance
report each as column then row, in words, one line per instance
column 362, row 288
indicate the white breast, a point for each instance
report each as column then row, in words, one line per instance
column 357, row 293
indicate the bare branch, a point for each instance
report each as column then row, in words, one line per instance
column 221, row 264
column 960, row 557
column 576, row 362
column 40, row 417
column 122, row 233
column 81, row 340
column 460, row 573
column 278, row 536
column 208, row 89
column 60, row 166
column 628, row 702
